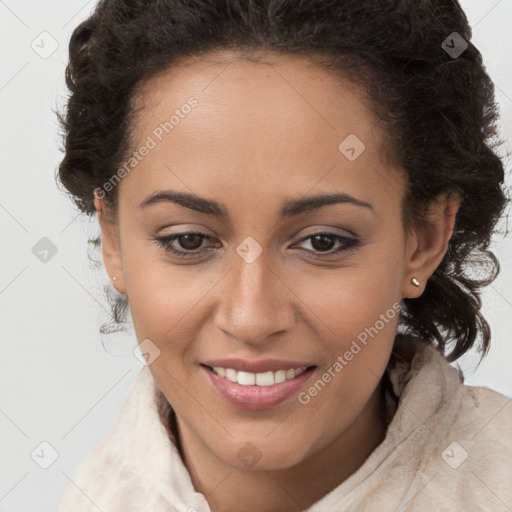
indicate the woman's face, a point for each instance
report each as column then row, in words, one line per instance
column 250, row 146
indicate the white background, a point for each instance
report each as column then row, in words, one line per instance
column 58, row 383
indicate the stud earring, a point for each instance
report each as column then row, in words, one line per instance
column 114, row 278
column 415, row 282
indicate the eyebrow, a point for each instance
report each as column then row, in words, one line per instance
column 291, row 208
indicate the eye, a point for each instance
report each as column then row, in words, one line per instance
column 323, row 242
column 183, row 245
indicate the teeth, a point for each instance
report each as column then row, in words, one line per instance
column 231, row 374
column 246, row 378
column 265, row 379
column 279, row 376
column 258, row 379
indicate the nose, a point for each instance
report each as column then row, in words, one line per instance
column 255, row 302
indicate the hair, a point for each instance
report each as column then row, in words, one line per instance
column 437, row 112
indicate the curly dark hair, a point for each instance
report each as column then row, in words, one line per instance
column 437, row 110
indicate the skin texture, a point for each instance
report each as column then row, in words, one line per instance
column 263, row 134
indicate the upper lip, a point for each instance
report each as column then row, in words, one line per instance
column 266, row 365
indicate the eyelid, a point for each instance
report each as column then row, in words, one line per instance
column 327, row 230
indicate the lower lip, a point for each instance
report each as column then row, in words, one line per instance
column 256, row 397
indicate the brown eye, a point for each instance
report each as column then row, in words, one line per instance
column 190, row 241
column 324, row 243
column 184, row 245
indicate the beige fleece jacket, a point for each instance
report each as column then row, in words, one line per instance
column 448, row 448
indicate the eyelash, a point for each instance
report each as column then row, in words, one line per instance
column 166, row 242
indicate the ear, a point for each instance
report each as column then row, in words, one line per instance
column 427, row 245
column 110, row 246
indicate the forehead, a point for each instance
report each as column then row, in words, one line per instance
column 261, row 124
column 274, row 90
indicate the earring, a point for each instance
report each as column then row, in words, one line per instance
column 415, row 282
column 114, row 278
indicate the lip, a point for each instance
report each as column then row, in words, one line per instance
column 256, row 397
column 266, row 365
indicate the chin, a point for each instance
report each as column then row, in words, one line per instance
column 263, row 454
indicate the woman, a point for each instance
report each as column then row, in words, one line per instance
column 291, row 197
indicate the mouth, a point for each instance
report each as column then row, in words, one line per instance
column 256, row 391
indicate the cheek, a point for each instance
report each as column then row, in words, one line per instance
column 164, row 298
column 354, row 355
column 356, row 312
column 352, row 297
